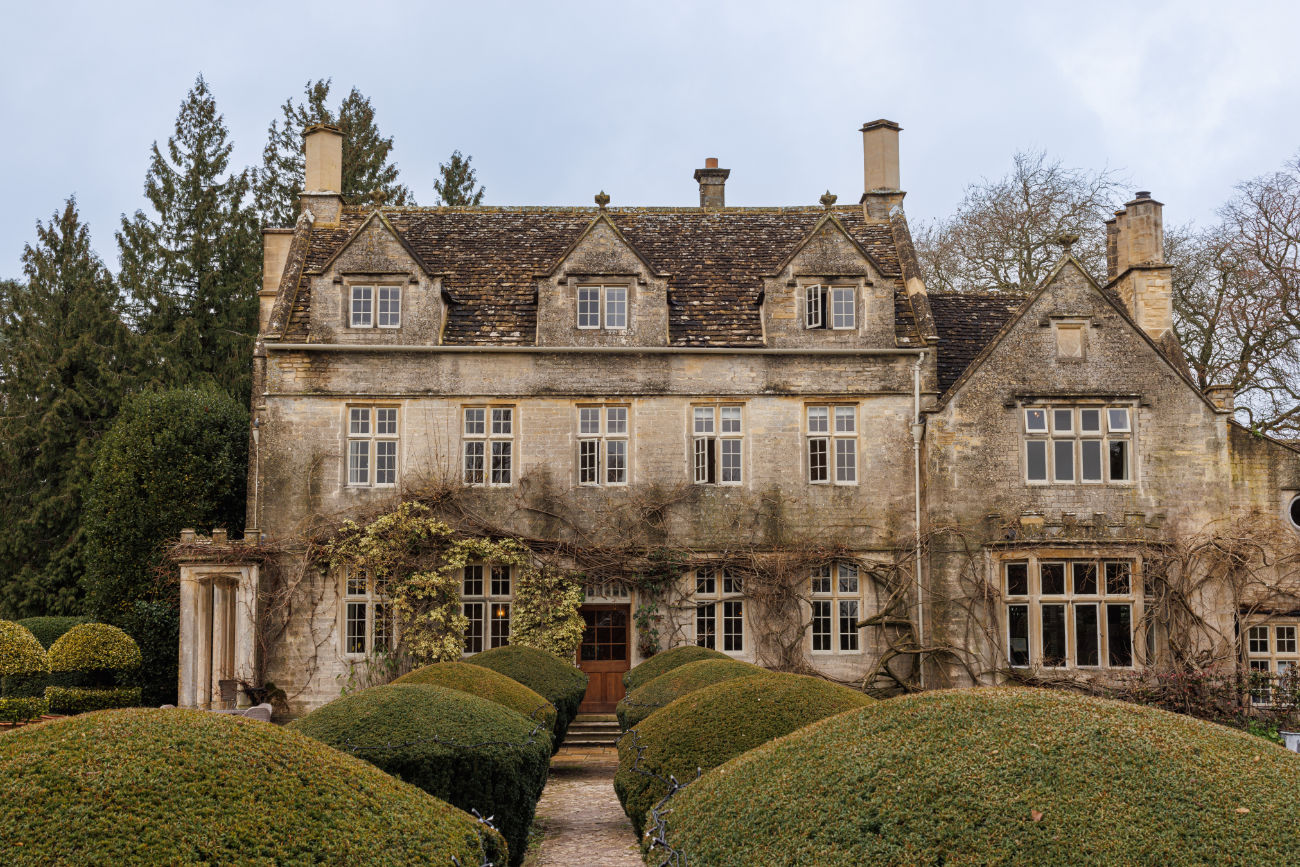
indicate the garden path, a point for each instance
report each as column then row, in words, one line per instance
column 583, row 824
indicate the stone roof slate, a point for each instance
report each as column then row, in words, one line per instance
column 966, row 322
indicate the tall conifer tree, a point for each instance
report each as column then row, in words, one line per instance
column 367, row 169
column 63, row 373
column 456, row 183
column 191, row 269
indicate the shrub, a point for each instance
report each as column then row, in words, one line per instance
column 78, row 699
column 488, row 684
column 667, row 660
column 561, row 683
column 705, row 728
column 23, row 666
column 48, row 629
column 677, row 682
column 156, row 628
column 94, row 647
column 178, row 786
column 469, row 751
column 997, row 776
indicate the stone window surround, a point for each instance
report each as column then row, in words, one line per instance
column 376, row 609
column 831, row 437
column 488, row 474
column 628, row 288
column 834, row 595
column 1271, row 647
column 375, row 282
column 828, row 287
column 372, row 437
column 709, row 449
column 1071, row 338
column 1050, row 435
column 718, row 598
column 489, row 588
column 602, row 437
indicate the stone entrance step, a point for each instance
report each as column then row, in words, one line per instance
column 593, row 730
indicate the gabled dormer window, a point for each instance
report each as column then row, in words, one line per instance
column 832, row 307
column 602, row 307
column 372, row 306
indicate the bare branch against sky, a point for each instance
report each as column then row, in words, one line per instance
column 557, row 101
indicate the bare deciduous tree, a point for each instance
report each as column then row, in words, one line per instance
column 1003, row 235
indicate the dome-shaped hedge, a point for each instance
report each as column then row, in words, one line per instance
column 672, row 685
column 23, row 666
column 665, row 661
column 705, row 728
column 997, row 776
column 94, row 647
column 471, row 752
column 485, row 683
column 176, row 786
column 48, row 629
column 559, row 682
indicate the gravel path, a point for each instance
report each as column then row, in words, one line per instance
column 583, row 824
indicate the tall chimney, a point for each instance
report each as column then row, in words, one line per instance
column 880, row 190
column 323, row 172
column 1135, row 242
column 713, row 184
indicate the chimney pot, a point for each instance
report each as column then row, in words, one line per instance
column 1143, row 194
column 713, row 184
column 711, row 163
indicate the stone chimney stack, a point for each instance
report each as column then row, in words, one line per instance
column 323, row 175
column 713, row 184
column 1135, row 264
column 880, row 190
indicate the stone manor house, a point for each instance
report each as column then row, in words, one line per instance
column 852, row 475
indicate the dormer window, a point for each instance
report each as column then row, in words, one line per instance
column 602, row 307
column 376, row 305
column 832, row 307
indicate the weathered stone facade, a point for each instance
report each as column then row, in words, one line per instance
column 706, row 337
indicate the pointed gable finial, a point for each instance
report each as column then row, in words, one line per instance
column 1067, row 240
column 377, row 198
column 602, row 199
column 828, row 199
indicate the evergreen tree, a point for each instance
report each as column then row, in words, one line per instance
column 366, row 167
column 63, row 372
column 191, row 270
column 457, row 184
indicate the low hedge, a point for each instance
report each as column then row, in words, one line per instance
column 665, row 661
column 24, row 667
column 48, row 629
column 705, row 728
column 94, row 647
column 997, row 776
column 80, row 699
column 471, row 752
column 561, row 683
column 667, row 688
column 486, row 683
column 177, row 786
column 22, row 708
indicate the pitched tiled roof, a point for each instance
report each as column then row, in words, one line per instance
column 489, row 258
column 966, row 322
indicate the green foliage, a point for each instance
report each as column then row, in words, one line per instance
column 366, row 167
column 94, row 647
column 156, row 627
column 996, row 776
column 559, row 682
column 176, row 786
column 48, row 629
column 65, row 360
column 455, row 184
column 1269, row 731
column 705, row 728
column 21, row 709
column 488, row 684
column 20, row 653
column 545, row 611
column 77, row 699
column 192, row 270
column 666, row 661
column 469, row 751
column 677, row 682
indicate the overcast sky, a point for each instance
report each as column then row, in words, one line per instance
column 556, row 101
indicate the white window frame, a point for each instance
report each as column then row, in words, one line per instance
column 717, row 455
column 613, row 303
column 1277, row 659
column 843, row 318
column 391, row 317
column 487, row 594
column 1043, row 431
column 839, row 437
column 361, row 305
column 718, row 595
column 824, row 307
column 839, row 587
column 1109, row 592
column 373, row 445
column 377, row 623
column 610, row 433
column 488, row 434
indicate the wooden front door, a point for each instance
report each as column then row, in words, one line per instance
column 604, row 655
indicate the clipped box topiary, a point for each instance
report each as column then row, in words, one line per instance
column 485, row 683
column 91, row 657
column 560, row 682
column 48, row 629
column 23, row 667
column 672, row 685
column 997, row 776
column 177, row 786
column 665, row 661
column 471, row 752
column 705, row 728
